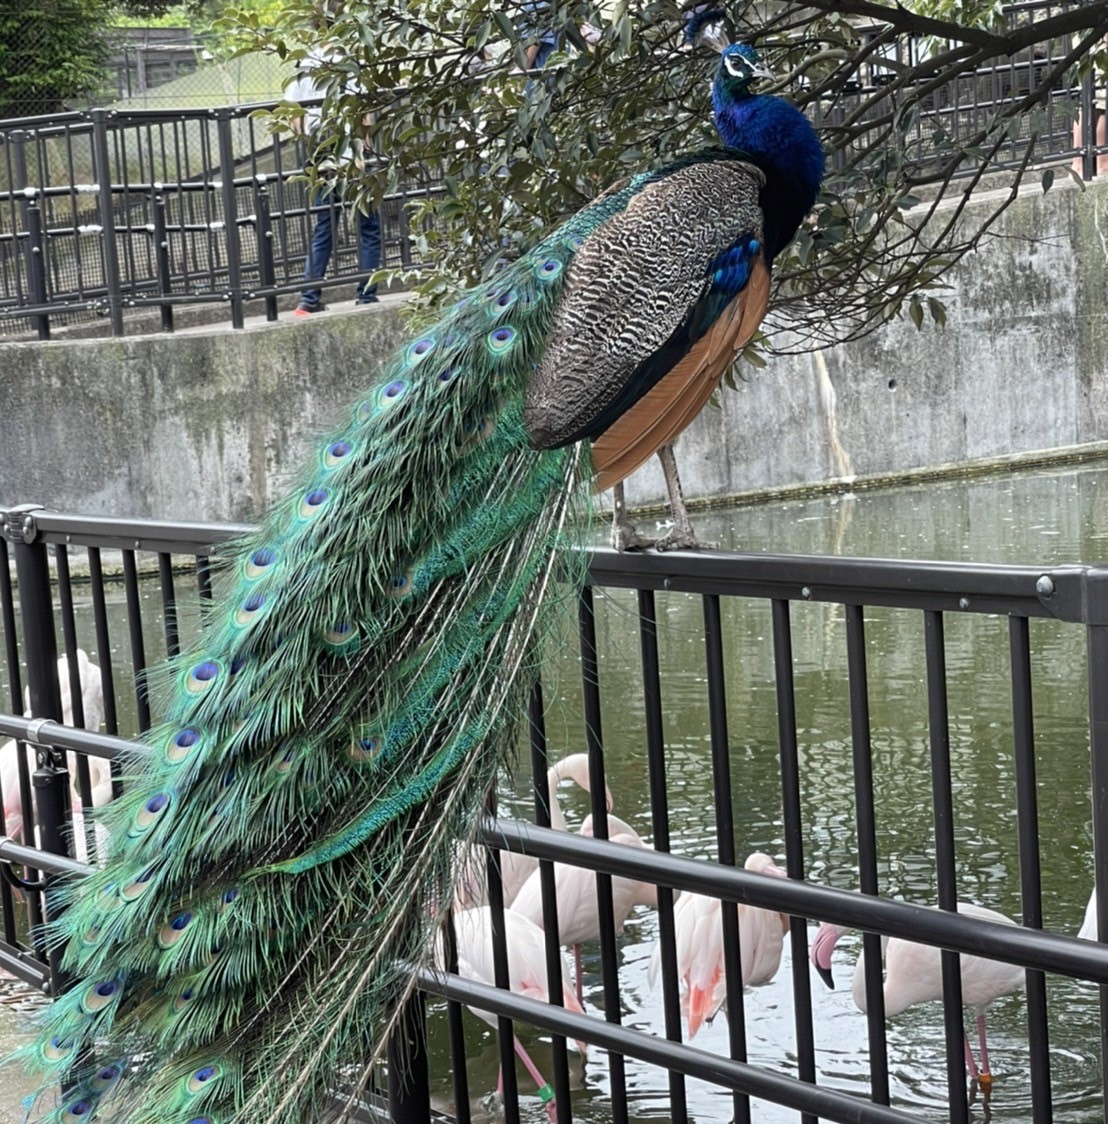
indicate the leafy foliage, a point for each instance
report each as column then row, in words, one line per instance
column 50, row 50
column 438, row 88
column 53, row 52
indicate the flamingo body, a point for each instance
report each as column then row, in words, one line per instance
column 92, row 702
column 515, row 869
column 698, row 926
column 913, row 974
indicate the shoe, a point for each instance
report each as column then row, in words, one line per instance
column 367, row 298
column 306, row 309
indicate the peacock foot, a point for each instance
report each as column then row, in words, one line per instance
column 683, row 538
column 625, row 536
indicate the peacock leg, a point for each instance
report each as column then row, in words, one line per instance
column 681, row 535
column 625, row 536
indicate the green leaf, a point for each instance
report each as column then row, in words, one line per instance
column 1048, row 179
column 915, row 312
column 507, row 28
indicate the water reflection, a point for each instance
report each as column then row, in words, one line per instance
column 1045, row 518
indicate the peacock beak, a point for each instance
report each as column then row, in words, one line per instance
column 760, row 70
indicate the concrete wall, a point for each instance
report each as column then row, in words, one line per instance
column 205, row 424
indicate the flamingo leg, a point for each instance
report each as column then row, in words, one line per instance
column 537, row 1077
column 577, row 974
column 986, row 1072
column 971, row 1062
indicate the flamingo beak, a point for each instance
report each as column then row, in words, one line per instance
column 822, row 947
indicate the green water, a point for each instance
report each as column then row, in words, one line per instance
column 1042, row 519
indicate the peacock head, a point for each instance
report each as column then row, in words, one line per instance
column 739, row 66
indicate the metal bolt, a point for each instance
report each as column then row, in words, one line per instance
column 1044, row 587
column 667, row 583
column 138, row 544
column 46, row 989
column 963, row 602
column 806, row 593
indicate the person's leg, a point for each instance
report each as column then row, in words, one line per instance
column 319, row 253
column 369, row 254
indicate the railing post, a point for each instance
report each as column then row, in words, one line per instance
column 263, row 228
column 409, row 1088
column 230, row 213
column 1095, row 602
column 31, row 218
column 36, row 264
column 101, row 163
column 1088, row 127
column 50, row 780
column 161, row 250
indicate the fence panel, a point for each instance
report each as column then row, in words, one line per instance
column 753, row 692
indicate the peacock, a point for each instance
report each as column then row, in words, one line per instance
column 285, row 845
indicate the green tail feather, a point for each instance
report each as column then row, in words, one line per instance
column 289, row 841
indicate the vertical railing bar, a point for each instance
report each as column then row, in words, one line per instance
column 109, row 249
column 609, row 956
column 76, row 687
column 1027, row 830
column 659, row 821
column 50, row 781
column 455, row 1028
column 1097, row 646
column 169, row 606
column 505, row 1032
column 204, row 576
column 409, row 1091
column 230, row 215
column 103, row 640
column 865, row 820
column 794, row 835
column 11, row 655
column 138, row 644
column 942, row 797
column 725, row 838
column 540, row 766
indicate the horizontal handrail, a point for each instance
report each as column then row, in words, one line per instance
column 39, row 731
column 1014, row 944
column 743, row 1077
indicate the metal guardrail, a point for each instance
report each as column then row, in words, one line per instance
column 106, row 213
column 1072, row 595
column 112, row 212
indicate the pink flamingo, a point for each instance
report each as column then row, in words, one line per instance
column 515, row 869
column 913, row 974
column 526, row 947
column 92, row 699
column 698, row 926
column 575, row 887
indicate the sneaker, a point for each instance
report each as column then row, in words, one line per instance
column 367, row 298
column 306, row 309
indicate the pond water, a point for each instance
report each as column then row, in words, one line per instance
column 1044, row 518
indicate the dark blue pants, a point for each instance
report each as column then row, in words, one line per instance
column 319, row 254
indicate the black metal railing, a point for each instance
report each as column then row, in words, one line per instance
column 113, row 212
column 109, row 213
column 1007, row 599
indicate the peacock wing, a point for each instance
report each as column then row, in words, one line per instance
column 654, row 302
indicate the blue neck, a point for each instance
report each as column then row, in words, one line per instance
column 781, row 141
